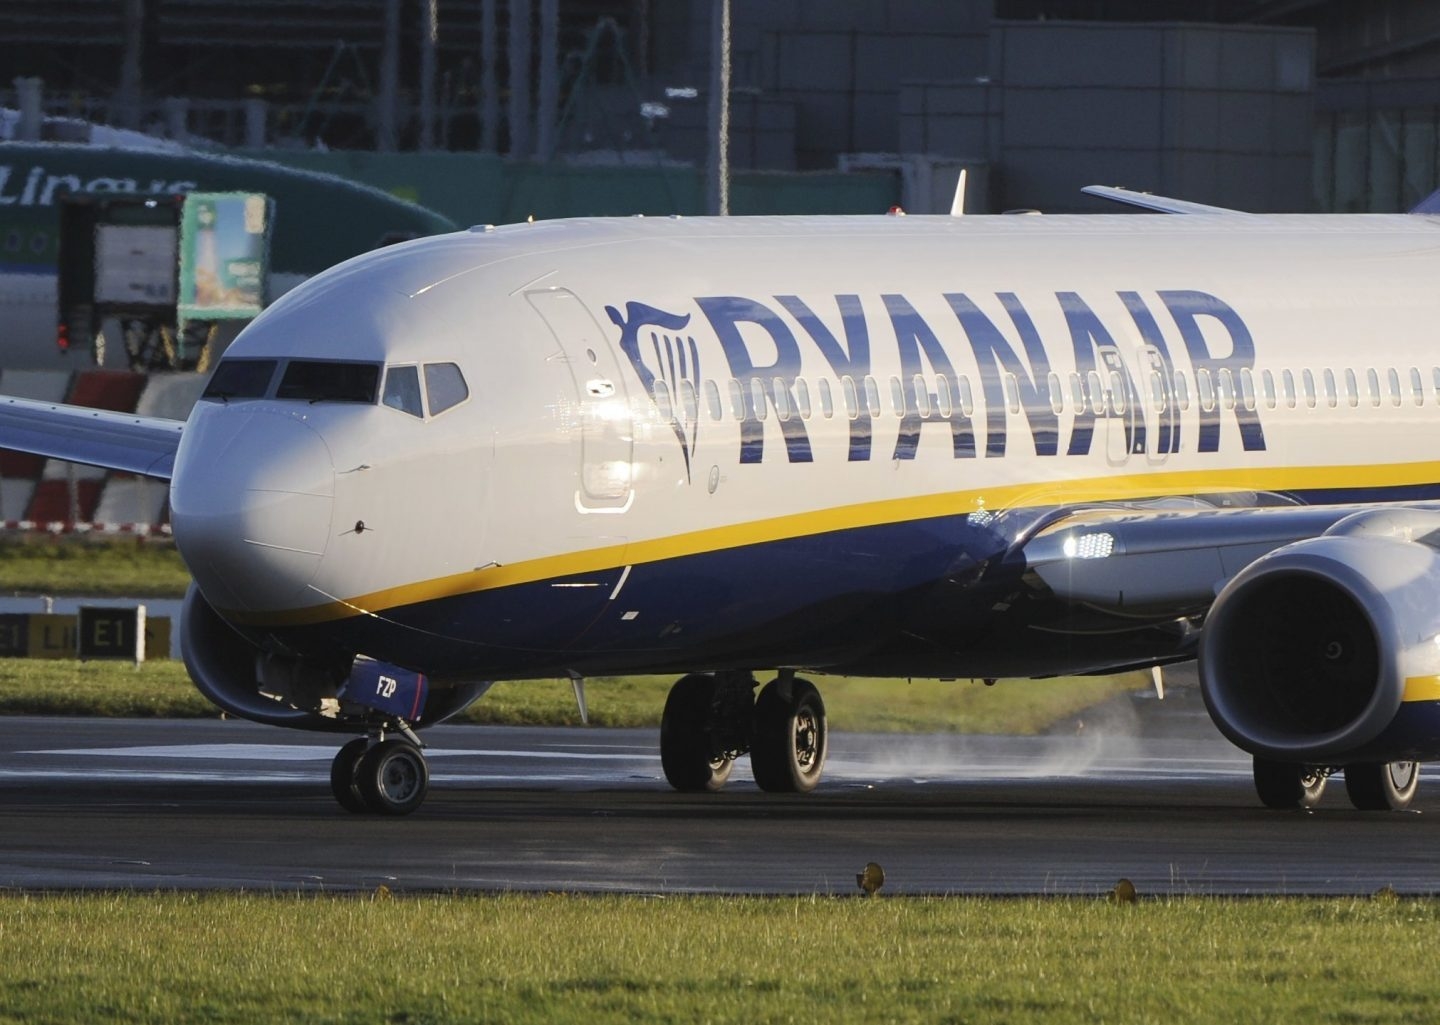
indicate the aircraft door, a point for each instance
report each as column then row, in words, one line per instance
column 1161, row 409
column 1118, row 401
column 603, row 417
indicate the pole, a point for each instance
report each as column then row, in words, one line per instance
column 489, row 89
column 549, row 98
column 520, row 47
column 30, row 98
column 428, row 33
column 386, row 114
column 719, row 176
column 130, row 84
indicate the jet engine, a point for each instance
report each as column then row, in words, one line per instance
column 280, row 689
column 1327, row 651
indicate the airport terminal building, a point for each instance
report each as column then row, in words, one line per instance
column 1261, row 104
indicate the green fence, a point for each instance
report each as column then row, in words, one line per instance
column 477, row 188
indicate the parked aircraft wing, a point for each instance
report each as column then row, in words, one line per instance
column 1159, row 204
column 115, row 441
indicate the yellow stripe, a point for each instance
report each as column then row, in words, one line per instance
column 866, row 514
column 1421, row 688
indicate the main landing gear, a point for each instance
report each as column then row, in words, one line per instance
column 710, row 720
column 1371, row 786
column 379, row 774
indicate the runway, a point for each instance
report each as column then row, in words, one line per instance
column 1143, row 789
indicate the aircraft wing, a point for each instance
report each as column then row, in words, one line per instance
column 1159, row 204
column 116, row 441
column 1126, row 560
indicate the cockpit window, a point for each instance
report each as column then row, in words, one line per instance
column 319, row 381
column 240, row 379
column 445, row 385
column 402, row 390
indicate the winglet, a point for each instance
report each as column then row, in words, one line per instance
column 1159, row 204
column 957, row 204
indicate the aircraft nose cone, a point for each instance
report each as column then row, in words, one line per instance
column 250, row 504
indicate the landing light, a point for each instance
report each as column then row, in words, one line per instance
column 1088, row 546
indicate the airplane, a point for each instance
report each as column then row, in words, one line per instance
column 946, row 447
column 321, row 219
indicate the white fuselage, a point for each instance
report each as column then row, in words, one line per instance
column 706, row 393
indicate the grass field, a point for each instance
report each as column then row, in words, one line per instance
column 121, row 958
column 101, row 567
column 162, row 689
column 95, row 567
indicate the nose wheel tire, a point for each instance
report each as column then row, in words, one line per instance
column 343, row 771
column 1288, row 786
column 393, row 778
column 1382, row 786
column 686, row 739
column 787, row 752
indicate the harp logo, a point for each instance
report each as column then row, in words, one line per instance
column 657, row 346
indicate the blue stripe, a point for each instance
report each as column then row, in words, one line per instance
column 933, row 597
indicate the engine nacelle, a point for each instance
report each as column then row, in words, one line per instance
column 272, row 688
column 1327, row 651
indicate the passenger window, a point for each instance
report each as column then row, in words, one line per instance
column 967, row 397
column 402, row 390
column 1077, row 393
column 445, row 386
column 802, row 397
column 943, row 400
column 1157, row 391
column 758, row 399
column 1417, row 386
column 241, row 379
column 1118, row 391
column 712, row 400
column 827, row 400
column 1225, row 387
column 1099, row 401
column 1331, row 398
column 737, row 400
column 1307, row 380
column 1057, row 394
column 1352, row 388
column 1247, row 388
column 872, row 396
column 897, row 397
column 1267, row 387
column 922, row 395
column 782, row 400
column 661, row 391
column 852, row 400
column 688, row 401
column 1393, row 379
column 320, row 381
column 1182, row 390
column 1012, row 393
column 1205, row 390
column 1372, row 381
column 1287, row 384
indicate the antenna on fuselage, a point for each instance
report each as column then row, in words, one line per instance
column 577, row 682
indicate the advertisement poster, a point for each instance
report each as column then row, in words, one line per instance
column 224, row 255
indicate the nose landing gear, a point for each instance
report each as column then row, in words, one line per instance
column 385, row 776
